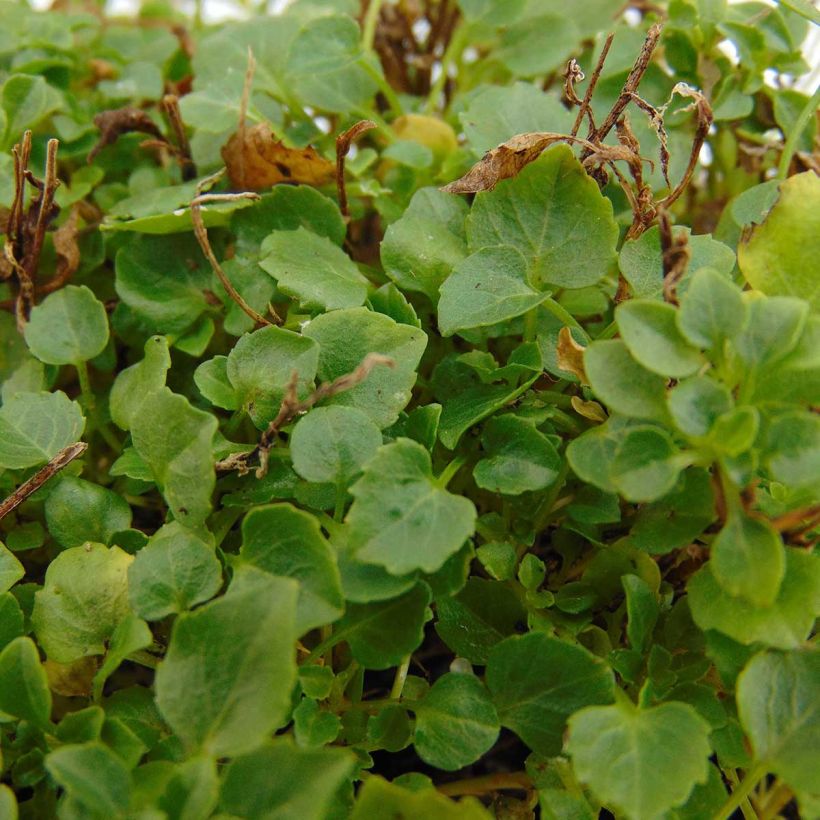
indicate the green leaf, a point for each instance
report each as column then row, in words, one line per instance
column 314, row 727
column 641, row 261
column 69, row 326
column 695, row 404
column 84, row 597
column 175, row 570
column 784, row 625
column 211, row 378
column 11, row 619
column 24, row 691
column 614, row 747
column 711, row 310
column 592, row 453
column 496, row 113
column 538, row 681
column 382, row 634
column 772, row 330
column 93, row 776
column 646, row 464
column 130, row 635
column 778, row 256
column 642, row 611
column 380, row 798
column 193, row 790
column 325, row 65
column 174, row 439
column 34, row 427
column 526, row 51
column 8, row 803
column 622, row 384
column 313, row 270
column 518, row 458
column 134, row 384
column 488, row 287
column 748, row 559
column 793, row 451
column 285, row 541
column 651, row 334
column 163, row 279
column 456, row 722
column 331, row 444
column 778, row 698
column 78, row 511
column 422, row 266
column 345, row 337
column 279, row 780
column 11, row 570
column 26, row 101
column 260, row 366
column 547, row 211
column 401, row 518
column 224, row 684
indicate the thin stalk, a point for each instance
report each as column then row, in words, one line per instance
column 341, row 500
column 741, row 792
column 389, row 94
column 371, row 20
column 449, row 471
column 560, row 312
column 452, row 53
column 791, row 143
column 401, row 677
column 86, row 392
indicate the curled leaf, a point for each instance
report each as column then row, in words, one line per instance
column 256, row 160
column 570, row 355
column 118, row 121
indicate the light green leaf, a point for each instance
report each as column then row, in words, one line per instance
column 779, row 256
column 224, row 684
column 175, row 570
column 69, row 326
column 134, row 384
column 651, row 335
column 793, row 451
column 93, row 776
column 313, row 270
column 487, row 287
column 26, row 101
column 34, row 427
column 623, row 384
column 175, row 440
column 84, row 597
column 548, row 211
column 324, row 66
column 748, row 559
column 641, row 762
column 646, row 464
column 456, row 722
column 278, row 782
column 313, row 726
column 331, row 444
column 193, row 790
column 11, row 570
column 784, row 625
column 538, row 681
column 130, row 635
column 78, row 511
column 711, row 310
column 421, row 248
column 260, row 366
column 778, row 698
column 345, row 337
column 211, row 378
column 538, row 45
column 642, row 611
column 592, row 453
column 401, row 518
column 285, row 541
column 517, row 457
column 8, row 803
column 24, row 691
column 772, row 330
column 695, row 404
column 382, row 634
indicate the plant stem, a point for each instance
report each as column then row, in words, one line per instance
column 564, row 315
column 790, row 147
column 85, row 387
column 741, row 792
column 401, row 677
column 371, row 20
column 487, row 783
column 341, row 499
column 389, row 94
column 449, row 471
column 452, row 53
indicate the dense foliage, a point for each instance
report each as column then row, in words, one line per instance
column 331, row 493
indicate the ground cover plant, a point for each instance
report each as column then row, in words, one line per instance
column 409, row 409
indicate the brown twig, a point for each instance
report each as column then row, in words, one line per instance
column 487, row 783
column 114, row 123
column 593, row 81
column 170, row 104
column 201, row 234
column 64, row 457
column 675, row 252
column 292, row 407
column 798, row 521
column 343, row 142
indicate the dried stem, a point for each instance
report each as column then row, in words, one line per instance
column 798, row 521
column 343, row 142
column 675, row 252
column 201, row 234
column 292, row 407
column 64, row 457
column 170, row 104
column 593, row 81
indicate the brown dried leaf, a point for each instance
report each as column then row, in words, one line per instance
column 118, row 121
column 256, row 160
column 504, row 161
column 73, row 680
column 570, row 355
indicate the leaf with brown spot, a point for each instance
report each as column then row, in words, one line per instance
column 73, row 680
column 256, row 160
column 570, row 355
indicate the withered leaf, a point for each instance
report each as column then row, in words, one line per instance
column 118, row 121
column 588, row 409
column 570, row 355
column 256, row 160
column 73, row 680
